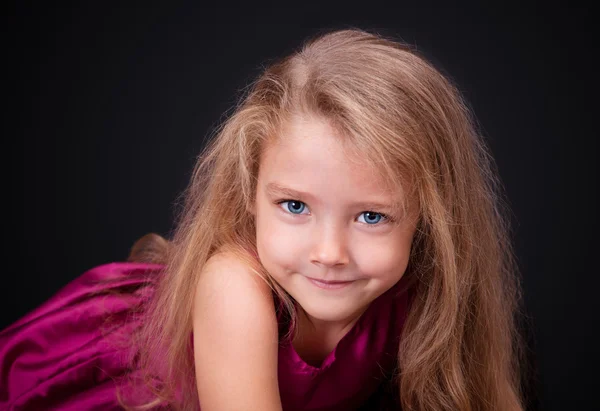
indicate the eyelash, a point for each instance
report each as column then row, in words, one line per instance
column 385, row 217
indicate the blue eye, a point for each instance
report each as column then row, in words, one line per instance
column 371, row 217
column 294, row 207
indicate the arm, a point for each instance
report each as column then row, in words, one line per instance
column 235, row 338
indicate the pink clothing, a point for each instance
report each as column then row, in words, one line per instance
column 57, row 356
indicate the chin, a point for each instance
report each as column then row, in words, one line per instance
column 326, row 311
column 325, row 305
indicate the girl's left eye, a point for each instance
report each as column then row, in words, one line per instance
column 368, row 217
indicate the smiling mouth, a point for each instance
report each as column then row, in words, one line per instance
column 329, row 285
column 330, row 282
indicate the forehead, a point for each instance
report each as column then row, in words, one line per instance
column 310, row 151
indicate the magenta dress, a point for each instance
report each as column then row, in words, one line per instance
column 57, row 356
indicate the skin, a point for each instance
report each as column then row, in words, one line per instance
column 325, row 233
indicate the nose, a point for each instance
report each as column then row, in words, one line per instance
column 329, row 247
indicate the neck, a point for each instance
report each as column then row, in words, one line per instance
column 316, row 338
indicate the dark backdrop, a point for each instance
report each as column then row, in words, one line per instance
column 107, row 107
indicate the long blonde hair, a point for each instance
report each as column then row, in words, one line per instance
column 460, row 348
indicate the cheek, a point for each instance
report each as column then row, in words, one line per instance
column 385, row 261
column 277, row 244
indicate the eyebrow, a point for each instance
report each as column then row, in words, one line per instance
column 277, row 189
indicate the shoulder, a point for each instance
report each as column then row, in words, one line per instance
column 232, row 294
column 227, row 275
column 234, row 334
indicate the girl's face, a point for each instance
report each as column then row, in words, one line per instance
column 321, row 217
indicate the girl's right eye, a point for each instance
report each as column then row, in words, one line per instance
column 293, row 206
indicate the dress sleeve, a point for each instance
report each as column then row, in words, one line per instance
column 61, row 355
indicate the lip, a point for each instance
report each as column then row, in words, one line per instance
column 330, row 285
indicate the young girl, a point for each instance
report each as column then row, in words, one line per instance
column 343, row 245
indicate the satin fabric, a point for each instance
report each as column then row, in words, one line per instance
column 61, row 356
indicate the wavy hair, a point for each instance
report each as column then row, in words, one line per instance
column 460, row 347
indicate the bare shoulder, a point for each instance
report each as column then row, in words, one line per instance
column 235, row 337
column 227, row 278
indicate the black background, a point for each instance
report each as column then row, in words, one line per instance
column 107, row 106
